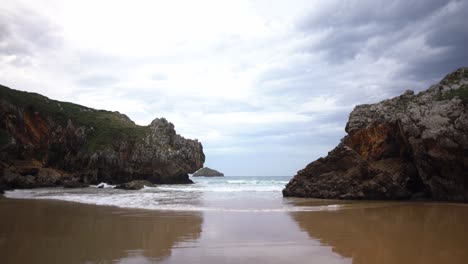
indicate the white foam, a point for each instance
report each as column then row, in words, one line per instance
column 223, row 185
column 102, row 185
column 221, row 194
column 222, row 189
column 162, row 201
column 255, row 182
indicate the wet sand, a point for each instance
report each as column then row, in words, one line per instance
column 41, row 231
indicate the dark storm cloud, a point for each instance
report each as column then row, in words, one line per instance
column 23, row 33
column 449, row 34
column 375, row 28
column 389, row 14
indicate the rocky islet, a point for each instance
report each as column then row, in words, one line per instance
column 207, row 172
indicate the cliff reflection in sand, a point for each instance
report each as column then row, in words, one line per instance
column 58, row 232
column 392, row 232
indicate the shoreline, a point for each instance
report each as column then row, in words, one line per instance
column 298, row 204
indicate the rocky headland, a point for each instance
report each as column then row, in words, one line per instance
column 207, row 172
column 47, row 143
column 406, row 147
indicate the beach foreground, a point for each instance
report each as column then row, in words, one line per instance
column 317, row 231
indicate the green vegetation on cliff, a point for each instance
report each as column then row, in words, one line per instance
column 461, row 92
column 106, row 126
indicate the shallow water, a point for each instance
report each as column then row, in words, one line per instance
column 228, row 220
column 207, row 194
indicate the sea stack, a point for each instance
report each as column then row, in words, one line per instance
column 405, row 147
column 46, row 143
column 207, row 172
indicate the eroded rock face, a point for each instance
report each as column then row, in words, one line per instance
column 45, row 143
column 411, row 145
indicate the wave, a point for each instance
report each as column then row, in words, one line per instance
column 147, row 201
column 221, row 189
column 233, row 194
column 256, row 182
column 103, row 185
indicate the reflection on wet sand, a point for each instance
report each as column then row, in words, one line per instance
column 392, row 232
column 58, row 232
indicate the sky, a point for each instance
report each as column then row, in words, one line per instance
column 266, row 86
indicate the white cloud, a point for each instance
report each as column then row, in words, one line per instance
column 253, row 80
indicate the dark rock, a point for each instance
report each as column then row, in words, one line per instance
column 207, row 172
column 47, row 177
column 411, row 146
column 16, row 176
column 29, row 171
column 2, row 183
column 134, row 185
column 345, row 174
column 18, row 181
column 178, row 179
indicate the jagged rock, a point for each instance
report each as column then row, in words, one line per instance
column 134, row 185
column 408, row 146
column 93, row 145
column 207, row 172
column 18, row 181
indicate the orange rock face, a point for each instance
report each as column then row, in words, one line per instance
column 36, row 129
column 377, row 142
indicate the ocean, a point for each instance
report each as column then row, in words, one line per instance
column 241, row 193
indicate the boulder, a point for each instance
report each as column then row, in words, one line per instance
column 134, row 185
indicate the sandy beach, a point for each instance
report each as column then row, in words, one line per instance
column 47, row 231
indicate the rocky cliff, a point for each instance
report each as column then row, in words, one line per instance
column 408, row 146
column 207, row 172
column 44, row 142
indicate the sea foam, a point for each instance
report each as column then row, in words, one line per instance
column 221, row 195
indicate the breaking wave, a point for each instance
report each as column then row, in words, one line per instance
column 229, row 194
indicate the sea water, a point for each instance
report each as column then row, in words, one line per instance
column 242, row 194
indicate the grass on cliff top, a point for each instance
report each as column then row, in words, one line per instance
column 461, row 92
column 108, row 127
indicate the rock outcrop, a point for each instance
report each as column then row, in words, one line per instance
column 207, row 172
column 134, row 185
column 405, row 147
column 45, row 143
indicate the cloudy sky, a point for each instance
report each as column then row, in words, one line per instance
column 266, row 86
